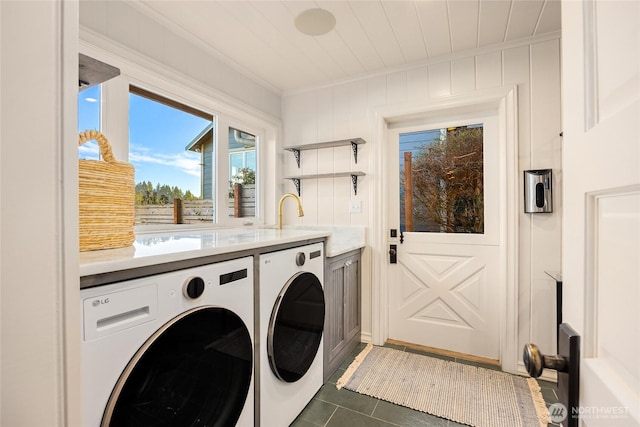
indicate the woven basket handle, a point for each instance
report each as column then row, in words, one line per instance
column 103, row 142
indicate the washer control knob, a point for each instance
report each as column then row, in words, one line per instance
column 300, row 259
column 193, row 287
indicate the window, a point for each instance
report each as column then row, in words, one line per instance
column 189, row 149
column 242, row 173
column 171, row 146
column 442, row 180
column 89, row 111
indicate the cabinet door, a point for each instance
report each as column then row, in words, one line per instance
column 334, row 293
column 351, row 297
column 342, row 321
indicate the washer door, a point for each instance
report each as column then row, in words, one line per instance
column 295, row 328
column 194, row 371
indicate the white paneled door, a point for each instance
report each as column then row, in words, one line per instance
column 446, row 197
column 601, row 223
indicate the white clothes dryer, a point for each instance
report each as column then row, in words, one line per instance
column 292, row 310
column 174, row 349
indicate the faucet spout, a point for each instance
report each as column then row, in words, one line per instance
column 282, row 199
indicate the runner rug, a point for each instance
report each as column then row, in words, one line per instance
column 455, row 391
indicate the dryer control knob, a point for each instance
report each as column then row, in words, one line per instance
column 193, row 287
column 300, row 259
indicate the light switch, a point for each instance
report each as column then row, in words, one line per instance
column 355, row 206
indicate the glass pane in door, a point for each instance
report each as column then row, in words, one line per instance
column 442, row 180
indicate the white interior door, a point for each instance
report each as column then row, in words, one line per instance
column 445, row 289
column 601, row 223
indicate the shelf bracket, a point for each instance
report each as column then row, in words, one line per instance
column 354, row 148
column 296, row 182
column 296, row 154
column 354, row 181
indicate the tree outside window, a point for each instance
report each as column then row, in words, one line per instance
column 446, row 175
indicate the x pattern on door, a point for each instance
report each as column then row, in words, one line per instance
column 445, row 290
column 454, row 301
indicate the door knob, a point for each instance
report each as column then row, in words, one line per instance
column 567, row 363
column 393, row 254
column 535, row 361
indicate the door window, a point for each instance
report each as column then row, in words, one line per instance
column 442, row 180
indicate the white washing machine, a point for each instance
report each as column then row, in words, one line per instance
column 292, row 313
column 174, row 349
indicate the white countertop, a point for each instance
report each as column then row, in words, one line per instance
column 157, row 248
column 340, row 239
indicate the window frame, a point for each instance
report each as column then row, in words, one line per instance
column 136, row 71
column 223, row 171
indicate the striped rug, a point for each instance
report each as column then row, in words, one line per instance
column 455, row 391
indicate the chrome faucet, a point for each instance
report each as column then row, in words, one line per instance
column 282, row 199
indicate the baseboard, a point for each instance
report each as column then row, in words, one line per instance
column 365, row 337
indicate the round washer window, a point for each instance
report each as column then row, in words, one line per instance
column 194, row 371
column 295, row 328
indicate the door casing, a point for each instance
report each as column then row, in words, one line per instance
column 503, row 101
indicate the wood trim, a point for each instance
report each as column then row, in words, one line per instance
column 448, row 353
column 170, row 102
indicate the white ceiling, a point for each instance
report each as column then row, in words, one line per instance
column 260, row 38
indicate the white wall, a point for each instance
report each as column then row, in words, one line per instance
column 39, row 339
column 346, row 110
column 132, row 26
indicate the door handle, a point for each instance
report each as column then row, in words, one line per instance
column 535, row 361
column 393, row 254
column 566, row 362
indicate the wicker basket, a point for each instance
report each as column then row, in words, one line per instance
column 107, row 198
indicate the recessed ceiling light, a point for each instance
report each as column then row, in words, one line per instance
column 315, row 22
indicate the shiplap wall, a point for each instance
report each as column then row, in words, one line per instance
column 347, row 110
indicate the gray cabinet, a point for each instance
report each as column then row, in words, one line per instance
column 342, row 301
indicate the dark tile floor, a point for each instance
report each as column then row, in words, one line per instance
column 339, row 408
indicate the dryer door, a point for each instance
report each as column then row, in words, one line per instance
column 194, row 371
column 295, row 328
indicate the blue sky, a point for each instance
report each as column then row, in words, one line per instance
column 158, row 135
